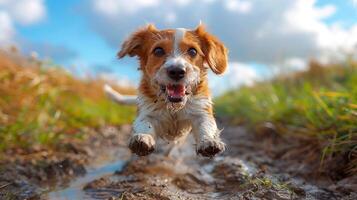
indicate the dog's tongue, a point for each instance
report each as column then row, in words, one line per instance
column 176, row 91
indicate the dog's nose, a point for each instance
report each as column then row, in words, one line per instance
column 176, row 73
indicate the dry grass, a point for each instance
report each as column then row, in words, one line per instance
column 41, row 105
column 320, row 103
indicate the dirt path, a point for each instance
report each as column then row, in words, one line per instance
column 253, row 167
column 32, row 173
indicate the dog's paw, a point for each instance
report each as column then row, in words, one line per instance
column 210, row 147
column 142, row 144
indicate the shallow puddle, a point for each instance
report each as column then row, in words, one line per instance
column 75, row 189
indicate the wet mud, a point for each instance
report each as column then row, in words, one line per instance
column 32, row 174
column 259, row 165
column 253, row 167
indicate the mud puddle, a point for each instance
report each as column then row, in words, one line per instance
column 60, row 171
column 251, row 168
column 74, row 190
column 106, row 161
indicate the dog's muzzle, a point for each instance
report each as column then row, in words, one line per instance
column 176, row 91
column 176, row 73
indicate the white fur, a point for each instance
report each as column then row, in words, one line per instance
column 176, row 57
column 179, row 35
column 178, row 61
column 172, row 125
column 119, row 98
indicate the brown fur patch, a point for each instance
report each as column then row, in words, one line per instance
column 143, row 42
column 216, row 54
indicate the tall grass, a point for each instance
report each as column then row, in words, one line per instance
column 42, row 105
column 320, row 102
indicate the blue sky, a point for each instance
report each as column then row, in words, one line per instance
column 346, row 11
column 262, row 35
column 65, row 25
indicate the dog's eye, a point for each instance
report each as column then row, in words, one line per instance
column 192, row 52
column 158, row 51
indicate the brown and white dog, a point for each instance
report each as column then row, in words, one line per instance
column 174, row 98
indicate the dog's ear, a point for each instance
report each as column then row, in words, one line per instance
column 216, row 54
column 134, row 45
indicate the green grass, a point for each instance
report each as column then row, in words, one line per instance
column 40, row 105
column 55, row 117
column 321, row 103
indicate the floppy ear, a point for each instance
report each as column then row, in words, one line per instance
column 216, row 54
column 134, row 45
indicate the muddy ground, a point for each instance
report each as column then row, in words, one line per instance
column 32, row 173
column 254, row 166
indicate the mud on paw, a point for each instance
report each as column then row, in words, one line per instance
column 210, row 148
column 142, row 144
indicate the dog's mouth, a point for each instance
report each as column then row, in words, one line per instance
column 175, row 92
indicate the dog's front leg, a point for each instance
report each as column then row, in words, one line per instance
column 142, row 142
column 206, row 134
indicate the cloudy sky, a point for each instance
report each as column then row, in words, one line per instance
column 262, row 35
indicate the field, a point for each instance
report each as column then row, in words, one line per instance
column 320, row 103
column 41, row 104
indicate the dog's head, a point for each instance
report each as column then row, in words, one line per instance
column 175, row 61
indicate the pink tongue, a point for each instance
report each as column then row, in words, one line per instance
column 176, row 91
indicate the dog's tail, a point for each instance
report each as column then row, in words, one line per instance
column 119, row 98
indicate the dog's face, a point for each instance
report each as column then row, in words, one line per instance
column 175, row 61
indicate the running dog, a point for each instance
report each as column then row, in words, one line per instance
column 173, row 96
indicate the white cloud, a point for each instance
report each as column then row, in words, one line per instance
column 255, row 31
column 295, row 64
column 26, row 13
column 113, row 7
column 23, row 12
column 240, row 74
column 354, row 2
column 303, row 16
column 237, row 74
column 268, row 32
column 6, row 28
column 238, row 5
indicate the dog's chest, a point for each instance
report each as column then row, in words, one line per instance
column 170, row 126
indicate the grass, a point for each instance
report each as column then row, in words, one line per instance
column 320, row 102
column 42, row 104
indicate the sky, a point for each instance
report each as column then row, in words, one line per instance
column 264, row 37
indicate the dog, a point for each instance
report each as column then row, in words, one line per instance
column 173, row 96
